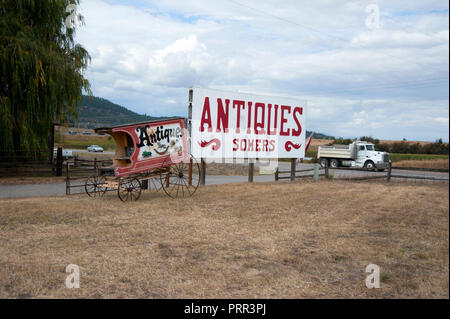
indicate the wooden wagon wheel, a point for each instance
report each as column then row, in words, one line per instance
column 181, row 176
column 129, row 189
column 95, row 185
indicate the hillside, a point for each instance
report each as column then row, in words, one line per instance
column 320, row 136
column 97, row 112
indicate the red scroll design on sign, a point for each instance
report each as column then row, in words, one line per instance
column 289, row 145
column 215, row 141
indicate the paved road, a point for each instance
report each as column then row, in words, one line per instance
column 55, row 189
column 32, row 190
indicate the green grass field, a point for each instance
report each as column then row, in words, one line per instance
column 396, row 157
column 83, row 141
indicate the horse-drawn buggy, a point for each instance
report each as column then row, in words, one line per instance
column 150, row 153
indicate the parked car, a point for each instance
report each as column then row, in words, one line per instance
column 87, row 133
column 72, row 132
column 95, row 148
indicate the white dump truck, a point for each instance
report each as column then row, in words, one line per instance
column 358, row 154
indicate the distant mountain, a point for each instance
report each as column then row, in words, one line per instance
column 96, row 112
column 320, row 136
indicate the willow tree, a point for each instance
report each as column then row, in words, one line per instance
column 41, row 70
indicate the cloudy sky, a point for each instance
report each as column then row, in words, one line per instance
column 361, row 76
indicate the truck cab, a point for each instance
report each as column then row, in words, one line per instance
column 358, row 154
column 368, row 157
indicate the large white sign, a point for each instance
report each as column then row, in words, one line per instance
column 239, row 125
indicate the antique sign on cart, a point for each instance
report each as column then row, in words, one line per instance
column 149, row 150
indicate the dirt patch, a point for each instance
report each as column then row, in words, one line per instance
column 264, row 240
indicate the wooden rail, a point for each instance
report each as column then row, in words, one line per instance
column 388, row 176
column 293, row 172
column 77, row 169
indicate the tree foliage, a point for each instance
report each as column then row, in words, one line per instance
column 41, row 71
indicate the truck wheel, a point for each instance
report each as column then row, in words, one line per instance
column 323, row 162
column 369, row 165
column 334, row 163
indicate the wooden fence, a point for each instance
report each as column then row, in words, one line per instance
column 388, row 174
column 77, row 171
column 25, row 163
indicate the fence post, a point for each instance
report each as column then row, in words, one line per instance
column 67, row 179
column 190, row 173
column 316, row 172
column 95, row 165
column 327, row 175
column 59, row 162
column 251, row 169
column 293, row 162
column 202, row 172
column 389, row 171
column 276, row 174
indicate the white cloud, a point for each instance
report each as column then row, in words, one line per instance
column 403, row 39
column 390, row 82
column 441, row 120
column 184, row 61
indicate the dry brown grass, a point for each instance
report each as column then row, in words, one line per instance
column 434, row 164
column 315, row 143
column 389, row 142
column 264, row 240
column 85, row 138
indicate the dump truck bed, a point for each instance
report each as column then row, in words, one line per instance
column 336, row 151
